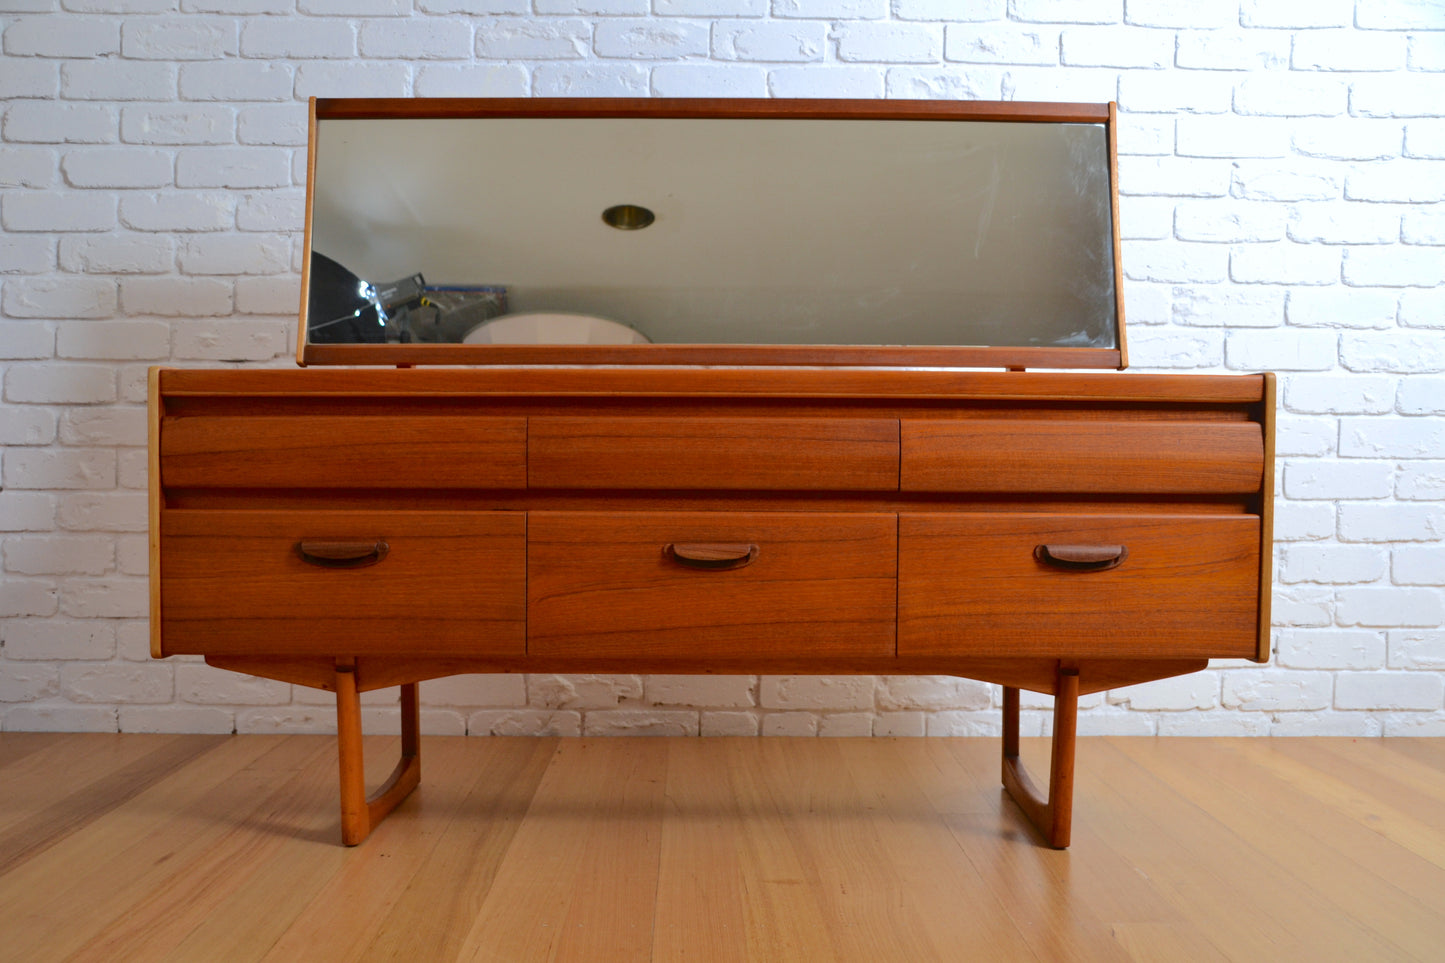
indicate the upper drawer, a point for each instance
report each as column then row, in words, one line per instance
column 818, row 454
column 343, row 451
column 1086, row 457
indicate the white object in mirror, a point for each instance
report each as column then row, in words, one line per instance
column 543, row 327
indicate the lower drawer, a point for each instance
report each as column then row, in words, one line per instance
column 343, row 583
column 710, row 585
column 1078, row 585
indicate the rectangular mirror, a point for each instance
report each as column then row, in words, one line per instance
column 714, row 232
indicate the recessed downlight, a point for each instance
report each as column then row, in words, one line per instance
column 628, row 217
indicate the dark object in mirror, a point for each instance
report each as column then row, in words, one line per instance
column 448, row 312
column 338, row 309
column 344, row 308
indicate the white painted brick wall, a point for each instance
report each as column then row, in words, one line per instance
column 1334, row 308
column 1418, row 566
column 816, row 692
column 1181, row 693
column 1416, row 649
column 504, row 38
column 717, row 691
column 55, row 639
column 641, row 722
column 524, row 722
column 102, row 512
column 1283, row 180
column 1425, row 481
column 1338, row 480
column 1331, row 649
column 176, row 297
column 589, row 80
column 194, row 38
column 1224, row 50
column 703, row 80
column 650, row 39
column 889, row 42
column 815, row 81
column 780, row 41
column 472, row 80
column 583, row 691
column 1117, row 47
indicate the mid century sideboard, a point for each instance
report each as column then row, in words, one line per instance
column 682, row 507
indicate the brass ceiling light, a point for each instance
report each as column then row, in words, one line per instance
column 628, row 217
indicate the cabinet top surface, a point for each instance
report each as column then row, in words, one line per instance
column 701, row 382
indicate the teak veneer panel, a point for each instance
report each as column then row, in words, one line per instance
column 343, row 451
column 1082, row 456
column 233, row 583
column 972, row 584
column 810, row 454
column 599, row 584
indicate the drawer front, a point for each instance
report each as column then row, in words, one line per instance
column 235, row 582
column 607, row 584
column 810, row 454
column 1086, row 457
column 982, row 585
column 343, row 451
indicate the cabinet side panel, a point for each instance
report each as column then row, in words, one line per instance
column 1266, row 517
column 154, row 505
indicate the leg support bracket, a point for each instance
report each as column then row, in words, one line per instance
column 361, row 813
column 1051, row 814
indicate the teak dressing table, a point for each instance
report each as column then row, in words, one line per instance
column 790, row 461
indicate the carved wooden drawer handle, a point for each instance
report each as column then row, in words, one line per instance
column 1082, row 558
column 358, row 554
column 711, row 555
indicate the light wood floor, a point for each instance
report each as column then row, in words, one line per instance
column 202, row 848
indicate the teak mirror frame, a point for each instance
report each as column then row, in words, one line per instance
column 969, row 356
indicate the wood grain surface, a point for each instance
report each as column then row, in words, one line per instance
column 234, row 584
column 599, row 583
column 138, row 847
column 343, row 451
column 179, row 384
column 971, row 584
column 1094, row 456
column 805, row 454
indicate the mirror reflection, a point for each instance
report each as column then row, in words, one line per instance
column 711, row 231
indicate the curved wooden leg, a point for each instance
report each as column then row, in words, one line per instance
column 360, row 814
column 1052, row 815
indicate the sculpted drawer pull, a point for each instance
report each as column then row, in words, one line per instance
column 1082, row 558
column 327, row 554
column 711, row 555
